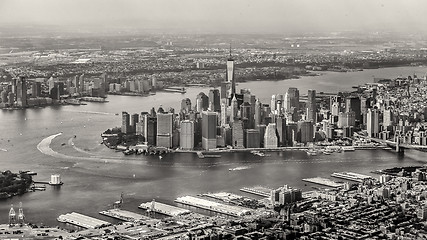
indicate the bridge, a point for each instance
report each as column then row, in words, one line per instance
column 399, row 146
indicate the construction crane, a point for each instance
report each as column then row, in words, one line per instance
column 12, row 216
column 21, row 216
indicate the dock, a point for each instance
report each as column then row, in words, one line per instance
column 82, row 220
column 259, row 191
column 162, row 208
column 124, row 215
column 235, row 211
column 357, row 177
column 323, row 181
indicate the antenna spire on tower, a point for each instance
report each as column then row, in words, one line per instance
column 230, row 49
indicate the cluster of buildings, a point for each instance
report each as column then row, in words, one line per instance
column 227, row 118
column 22, row 92
column 393, row 207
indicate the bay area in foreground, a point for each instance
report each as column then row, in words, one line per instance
column 94, row 176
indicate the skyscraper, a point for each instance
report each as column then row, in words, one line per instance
column 82, row 83
column 125, row 123
column 21, row 94
column 214, row 100
column 257, row 116
column 353, row 104
column 134, row 119
column 273, row 103
column 270, row 136
column 252, row 138
column 230, row 74
column 372, row 122
column 311, row 105
column 187, row 135
column 388, row 118
column 246, row 115
column 151, row 129
column 185, row 105
column 237, row 134
column 305, row 132
column 164, row 130
column 292, row 98
column 224, row 107
column 209, row 132
column 281, row 130
column 233, row 109
column 202, row 102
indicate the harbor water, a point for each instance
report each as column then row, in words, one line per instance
column 94, row 176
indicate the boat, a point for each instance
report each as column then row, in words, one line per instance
column 238, row 168
column 327, row 151
column 160, row 157
column 311, row 152
column 348, row 148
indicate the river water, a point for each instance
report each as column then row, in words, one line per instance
column 94, row 176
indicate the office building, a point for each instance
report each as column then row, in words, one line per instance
column 237, row 134
column 164, row 130
column 270, row 136
column 258, row 112
column 224, row 112
column 36, row 89
column 353, row 104
column 230, row 74
column 305, row 131
column 126, row 123
column 209, row 130
column 281, row 130
column 202, row 102
column 233, row 109
column 372, row 122
column 311, row 106
column 214, row 100
column 185, row 105
column 187, row 135
column 21, row 92
column 134, row 119
column 292, row 99
column 273, row 103
column 246, row 115
column 252, row 138
column 388, row 118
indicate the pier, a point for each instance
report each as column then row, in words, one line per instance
column 162, row 208
column 234, row 211
column 82, row 220
column 323, row 181
column 357, row 177
column 259, row 191
column 124, row 215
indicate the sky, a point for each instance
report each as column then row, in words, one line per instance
column 221, row 16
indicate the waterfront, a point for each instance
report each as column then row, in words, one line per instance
column 92, row 186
